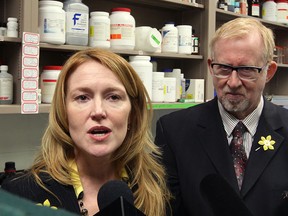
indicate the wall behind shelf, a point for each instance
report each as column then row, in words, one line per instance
column 20, row 138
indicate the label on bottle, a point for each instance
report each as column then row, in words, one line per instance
column 255, row 10
column 6, row 89
column 121, row 31
column 77, row 22
column 170, row 41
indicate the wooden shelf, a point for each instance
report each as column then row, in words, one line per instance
column 172, row 4
column 225, row 16
column 45, row 108
column 16, row 109
column 73, row 48
column 10, row 39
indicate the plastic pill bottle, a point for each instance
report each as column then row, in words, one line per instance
column 6, row 86
column 48, row 79
column 99, row 29
column 12, row 27
column 143, row 68
column 176, row 73
column 157, row 86
column 269, row 10
column 184, row 39
column 77, row 22
column 122, row 29
column 169, row 38
column 170, row 89
column 51, row 23
column 147, row 39
column 282, row 11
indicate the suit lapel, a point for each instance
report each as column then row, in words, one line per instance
column 65, row 193
column 214, row 140
column 259, row 159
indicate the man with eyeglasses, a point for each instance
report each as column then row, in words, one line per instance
column 201, row 141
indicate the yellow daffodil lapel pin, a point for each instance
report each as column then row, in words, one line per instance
column 267, row 143
column 47, row 204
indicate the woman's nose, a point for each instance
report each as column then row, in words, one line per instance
column 98, row 111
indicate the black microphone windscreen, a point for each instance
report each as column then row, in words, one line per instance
column 222, row 198
column 111, row 191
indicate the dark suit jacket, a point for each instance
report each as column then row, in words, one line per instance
column 26, row 187
column 194, row 144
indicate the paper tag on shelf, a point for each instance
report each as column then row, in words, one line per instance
column 30, row 73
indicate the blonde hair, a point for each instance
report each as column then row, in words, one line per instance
column 241, row 27
column 138, row 153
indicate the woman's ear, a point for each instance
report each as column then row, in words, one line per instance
column 272, row 68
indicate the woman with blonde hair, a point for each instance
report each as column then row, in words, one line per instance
column 99, row 130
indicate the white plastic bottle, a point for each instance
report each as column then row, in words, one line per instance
column 6, row 86
column 147, row 39
column 282, row 11
column 77, row 22
column 170, row 89
column 122, row 29
column 169, row 38
column 183, row 86
column 269, row 10
column 157, row 86
column 99, row 29
column 48, row 80
column 51, row 22
column 12, row 27
column 184, row 39
column 176, row 73
column 143, row 67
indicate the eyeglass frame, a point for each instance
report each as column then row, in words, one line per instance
column 236, row 68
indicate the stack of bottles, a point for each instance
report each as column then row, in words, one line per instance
column 271, row 10
column 168, row 85
column 9, row 29
column 69, row 23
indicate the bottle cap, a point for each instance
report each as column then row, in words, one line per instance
column 12, row 19
column 167, row 70
column 121, row 9
column 52, row 67
column 4, row 68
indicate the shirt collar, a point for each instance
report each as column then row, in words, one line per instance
column 251, row 121
column 77, row 182
column 75, row 179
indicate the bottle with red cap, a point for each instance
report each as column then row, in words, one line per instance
column 48, row 80
column 254, row 8
column 122, row 29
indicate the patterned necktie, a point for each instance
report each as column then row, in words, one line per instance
column 238, row 152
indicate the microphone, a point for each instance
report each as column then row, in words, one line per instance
column 221, row 197
column 115, row 198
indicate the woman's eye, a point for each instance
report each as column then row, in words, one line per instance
column 81, row 98
column 114, row 97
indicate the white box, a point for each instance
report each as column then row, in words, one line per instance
column 195, row 90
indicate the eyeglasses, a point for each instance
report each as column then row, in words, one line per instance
column 223, row 71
